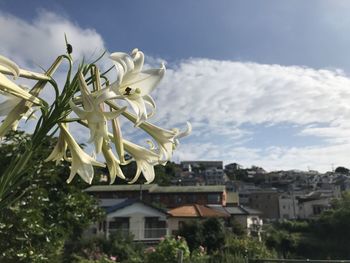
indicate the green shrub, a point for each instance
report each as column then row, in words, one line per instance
column 168, row 251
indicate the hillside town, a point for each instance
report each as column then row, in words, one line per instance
column 199, row 190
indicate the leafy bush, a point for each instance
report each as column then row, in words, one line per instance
column 48, row 212
column 117, row 246
column 168, row 251
column 209, row 233
column 248, row 246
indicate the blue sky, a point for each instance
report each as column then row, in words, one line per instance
column 263, row 82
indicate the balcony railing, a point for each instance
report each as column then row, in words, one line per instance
column 140, row 233
column 155, row 233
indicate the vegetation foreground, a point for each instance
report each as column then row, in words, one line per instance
column 47, row 221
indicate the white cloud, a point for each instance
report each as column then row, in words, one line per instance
column 225, row 92
column 40, row 41
column 219, row 97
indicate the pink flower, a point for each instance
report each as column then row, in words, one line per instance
column 113, row 258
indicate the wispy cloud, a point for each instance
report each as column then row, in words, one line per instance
column 220, row 97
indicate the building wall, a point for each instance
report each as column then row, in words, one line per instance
column 266, row 202
column 169, row 200
column 288, row 207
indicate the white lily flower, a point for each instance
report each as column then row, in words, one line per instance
column 167, row 140
column 134, row 85
column 95, row 117
column 82, row 163
column 145, row 161
column 59, row 151
column 6, row 108
column 7, row 105
column 112, row 163
column 24, row 107
column 10, row 87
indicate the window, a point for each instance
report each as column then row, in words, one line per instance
column 181, row 224
column 192, row 199
column 178, row 199
column 156, row 198
column 119, row 223
column 154, row 228
column 213, row 198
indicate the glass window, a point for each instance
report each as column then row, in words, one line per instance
column 213, row 198
column 119, row 223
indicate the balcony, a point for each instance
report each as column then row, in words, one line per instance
column 155, row 233
column 140, row 233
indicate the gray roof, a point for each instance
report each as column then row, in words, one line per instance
column 120, row 187
column 240, row 210
column 235, row 210
column 188, row 189
column 128, row 202
column 154, row 188
column 219, row 208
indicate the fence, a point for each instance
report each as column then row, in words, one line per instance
column 296, row 261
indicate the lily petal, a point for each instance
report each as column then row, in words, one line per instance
column 82, row 163
column 10, row 65
column 59, row 151
column 9, row 87
column 145, row 160
column 112, row 163
column 118, row 139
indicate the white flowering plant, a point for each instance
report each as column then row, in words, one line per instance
column 96, row 101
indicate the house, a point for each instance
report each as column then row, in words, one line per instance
column 313, row 204
column 145, row 222
column 167, row 196
column 249, row 218
column 186, row 213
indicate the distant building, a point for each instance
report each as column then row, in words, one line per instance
column 232, row 167
column 313, row 204
column 214, row 176
column 267, row 201
column 193, row 165
column 288, row 206
column 166, row 196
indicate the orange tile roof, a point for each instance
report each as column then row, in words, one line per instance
column 196, row 211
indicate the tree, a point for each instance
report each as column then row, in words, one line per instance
column 342, row 170
column 48, row 212
column 213, row 234
column 193, row 233
column 237, row 228
column 209, row 233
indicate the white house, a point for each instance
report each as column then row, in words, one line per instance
column 144, row 221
